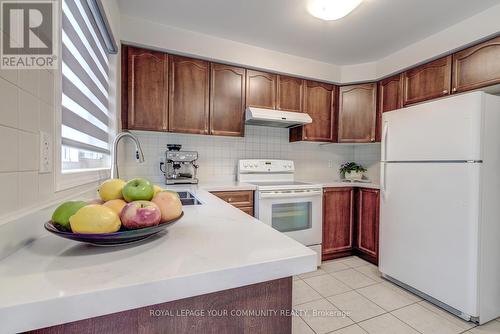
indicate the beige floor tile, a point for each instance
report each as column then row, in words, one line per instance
column 334, row 266
column 313, row 273
column 402, row 291
column 492, row 327
column 326, row 285
column 303, row 293
column 465, row 325
column 385, row 297
column 425, row 321
column 371, row 271
column 299, row 326
column 353, row 329
column 353, row 278
column 357, row 307
column 323, row 317
column 386, row 324
column 354, row 261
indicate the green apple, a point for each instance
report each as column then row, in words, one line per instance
column 64, row 211
column 138, row 190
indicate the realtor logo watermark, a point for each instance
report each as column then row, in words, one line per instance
column 29, row 39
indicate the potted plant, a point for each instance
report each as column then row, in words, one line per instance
column 352, row 171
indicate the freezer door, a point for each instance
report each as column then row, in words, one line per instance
column 446, row 129
column 429, row 229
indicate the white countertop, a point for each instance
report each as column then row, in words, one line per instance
column 340, row 183
column 46, row 280
column 235, row 185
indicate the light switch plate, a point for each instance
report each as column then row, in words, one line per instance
column 45, row 153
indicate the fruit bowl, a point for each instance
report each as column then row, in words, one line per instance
column 123, row 236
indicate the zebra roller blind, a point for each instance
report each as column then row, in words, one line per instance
column 86, row 118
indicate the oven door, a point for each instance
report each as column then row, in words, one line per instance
column 297, row 213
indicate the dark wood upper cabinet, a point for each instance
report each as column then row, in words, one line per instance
column 477, row 67
column 189, row 95
column 357, row 113
column 227, row 100
column 290, row 94
column 367, row 223
column 390, row 93
column 428, row 81
column 338, row 222
column 146, row 100
column 319, row 103
column 261, row 89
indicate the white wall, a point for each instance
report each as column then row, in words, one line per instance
column 475, row 28
column 29, row 100
column 154, row 35
column 218, row 156
column 145, row 33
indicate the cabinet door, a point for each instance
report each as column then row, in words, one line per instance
column 261, row 89
column 476, row 67
column 390, row 93
column 319, row 103
column 147, row 89
column 290, row 93
column 428, row 81
column 189, row 94
column 368, row 222
column 337, row 221
column 227, row 100
column 357, row 113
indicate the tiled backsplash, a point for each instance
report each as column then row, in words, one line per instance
column 368, row 156
column 219, row 155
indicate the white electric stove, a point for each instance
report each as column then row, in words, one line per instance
column 294, row 208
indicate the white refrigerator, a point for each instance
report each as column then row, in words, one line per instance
column 440, row 202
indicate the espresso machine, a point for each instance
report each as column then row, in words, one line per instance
column 180, row 166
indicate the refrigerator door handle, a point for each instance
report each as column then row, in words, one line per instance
column 383, row 189
column 385, row 131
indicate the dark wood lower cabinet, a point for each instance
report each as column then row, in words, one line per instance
column 271, row 295
column 338, row 223
column 367, row 224
column 350, row 223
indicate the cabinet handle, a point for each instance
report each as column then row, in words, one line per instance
column 454, row 89
column 445, row 91
column 372, row 139
column 229, row 199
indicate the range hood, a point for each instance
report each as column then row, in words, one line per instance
column 276, row 118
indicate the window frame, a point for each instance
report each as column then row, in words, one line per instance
column 70, row 179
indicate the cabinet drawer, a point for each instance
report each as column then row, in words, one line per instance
column 247, row 209
column 236, row 198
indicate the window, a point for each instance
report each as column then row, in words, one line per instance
column 85, row 83
column 87, row 123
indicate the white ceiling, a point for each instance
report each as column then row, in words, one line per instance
column 374, row 30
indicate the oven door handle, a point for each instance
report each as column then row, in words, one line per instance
column 290, row 194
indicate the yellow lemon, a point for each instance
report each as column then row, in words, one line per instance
column 95, row 218
column 111, row 189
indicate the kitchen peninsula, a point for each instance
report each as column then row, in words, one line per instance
column 215, row 258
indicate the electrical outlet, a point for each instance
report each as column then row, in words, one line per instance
column 45, row 153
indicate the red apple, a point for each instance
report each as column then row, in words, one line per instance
column 140, row 214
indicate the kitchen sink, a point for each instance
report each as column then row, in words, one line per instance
column 188, row 198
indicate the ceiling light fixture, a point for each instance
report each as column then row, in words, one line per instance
column 330, row 10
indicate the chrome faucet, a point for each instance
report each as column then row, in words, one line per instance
column 138, row 153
